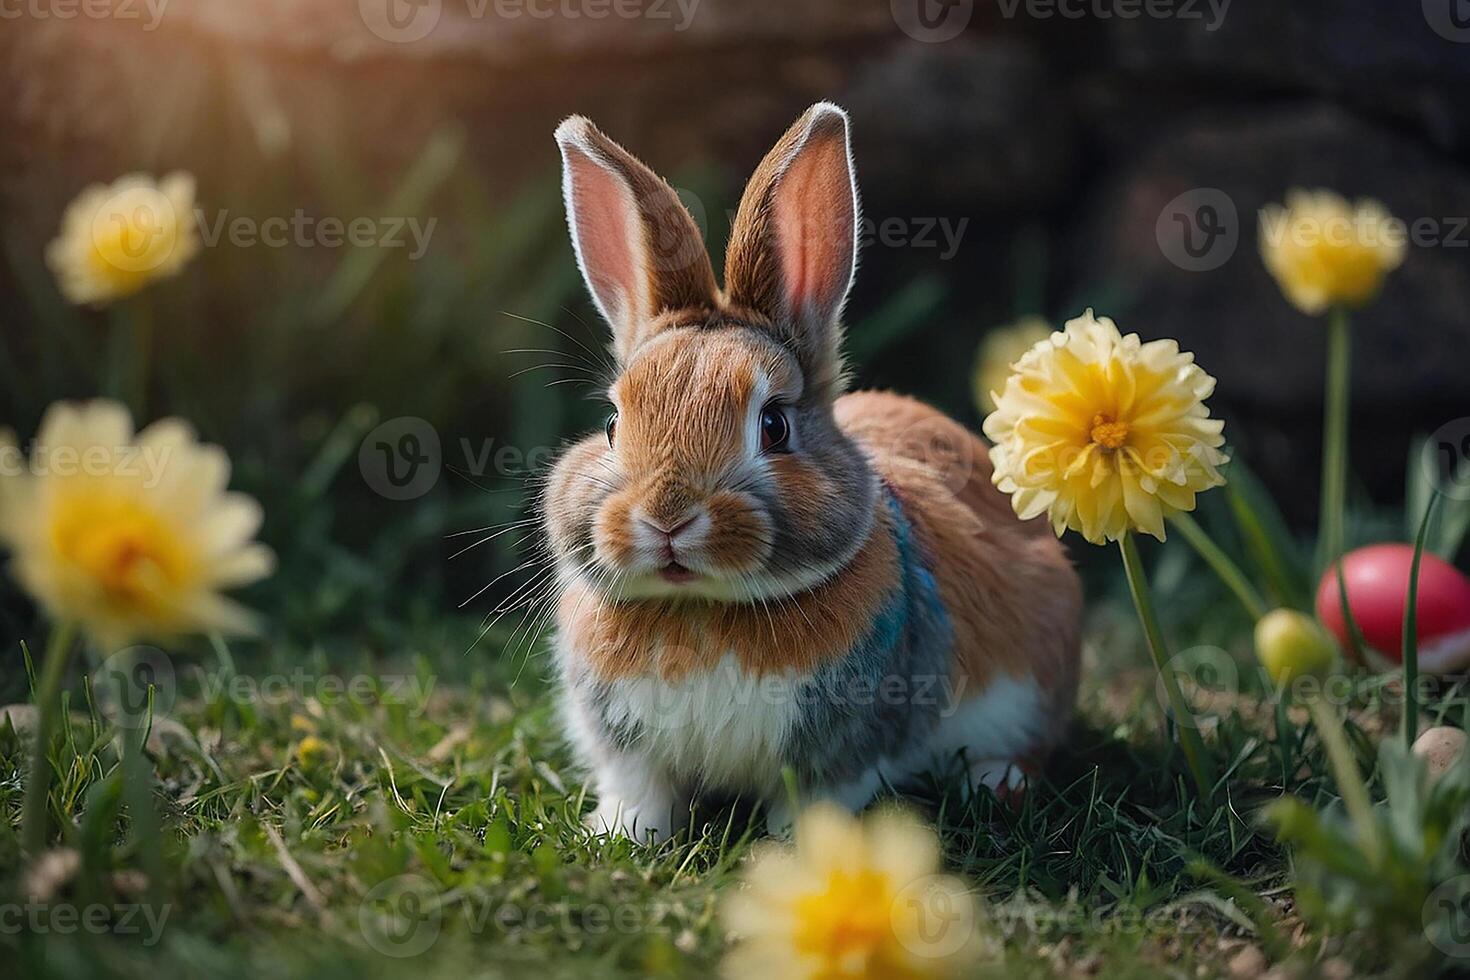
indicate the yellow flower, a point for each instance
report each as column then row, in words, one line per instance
column 1291, row 644
column 114, row 240
column 127, row 536
column 1104, row 432
column 1324, row 252
column 311, row 752
column 852, row 899
column 999, row 351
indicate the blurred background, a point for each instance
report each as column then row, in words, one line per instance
column 1016, row 158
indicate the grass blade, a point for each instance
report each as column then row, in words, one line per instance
column 1411, row 631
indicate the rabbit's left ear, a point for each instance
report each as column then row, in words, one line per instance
column 793, row 247
column 639, row 249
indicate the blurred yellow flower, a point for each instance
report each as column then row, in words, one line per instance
column 312, row 752
column 1324, row 252
column 115, row 239
column 1104, row 432
column 127, row 536
column 999, row 351
column 851, row 899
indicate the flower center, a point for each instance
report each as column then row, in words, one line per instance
column 122, row 548
column 850, row 924
column 1108, row 433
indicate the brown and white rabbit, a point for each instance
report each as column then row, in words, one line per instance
column 759, row 572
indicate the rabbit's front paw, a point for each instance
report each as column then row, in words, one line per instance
column 649, row 820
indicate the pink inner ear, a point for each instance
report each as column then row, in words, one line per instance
column 814, row 219
column 606, row 227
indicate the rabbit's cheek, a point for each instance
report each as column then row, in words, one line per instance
column 612, row 531
column 740, row 535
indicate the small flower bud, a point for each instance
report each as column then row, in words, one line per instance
column 1291, row 644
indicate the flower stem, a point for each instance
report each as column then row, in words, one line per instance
column 1194, row 747
column 1330, row 517
column 59, row 648
column 1349, row 778
column 142, row 355
column 1222, row 564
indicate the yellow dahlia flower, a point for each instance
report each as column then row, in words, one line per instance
column 1104, row 432
column 127, row 536
column 998, row 351
column 851, row 899
column 1324, row 252
column 116, row 239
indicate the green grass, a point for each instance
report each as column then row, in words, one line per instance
column 287, row 809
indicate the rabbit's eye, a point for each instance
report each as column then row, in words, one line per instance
column 612, row 428
column 775, row 430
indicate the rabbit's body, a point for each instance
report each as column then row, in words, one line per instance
column 759, row 573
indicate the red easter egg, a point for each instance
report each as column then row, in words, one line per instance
column 1377, row 580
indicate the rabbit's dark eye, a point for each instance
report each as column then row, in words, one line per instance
column 612, row 428
column 775, row 429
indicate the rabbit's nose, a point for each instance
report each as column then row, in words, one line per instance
column 670, row 531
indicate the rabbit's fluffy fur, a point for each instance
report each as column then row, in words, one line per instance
column 759, row 572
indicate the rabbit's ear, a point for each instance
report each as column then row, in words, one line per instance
column 639, row 250
column 793, row 247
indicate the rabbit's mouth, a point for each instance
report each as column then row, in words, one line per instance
column 677, row 574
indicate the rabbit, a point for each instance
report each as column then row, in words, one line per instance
column 762, row 576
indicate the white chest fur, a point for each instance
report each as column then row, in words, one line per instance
column 720, row 729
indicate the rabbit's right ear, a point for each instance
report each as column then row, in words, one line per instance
column 639, row 250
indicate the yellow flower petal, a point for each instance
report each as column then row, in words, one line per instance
column 851, row 899
column 115, row 240
column 1324, row 252
column 1104, row 432
column 123, row 537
